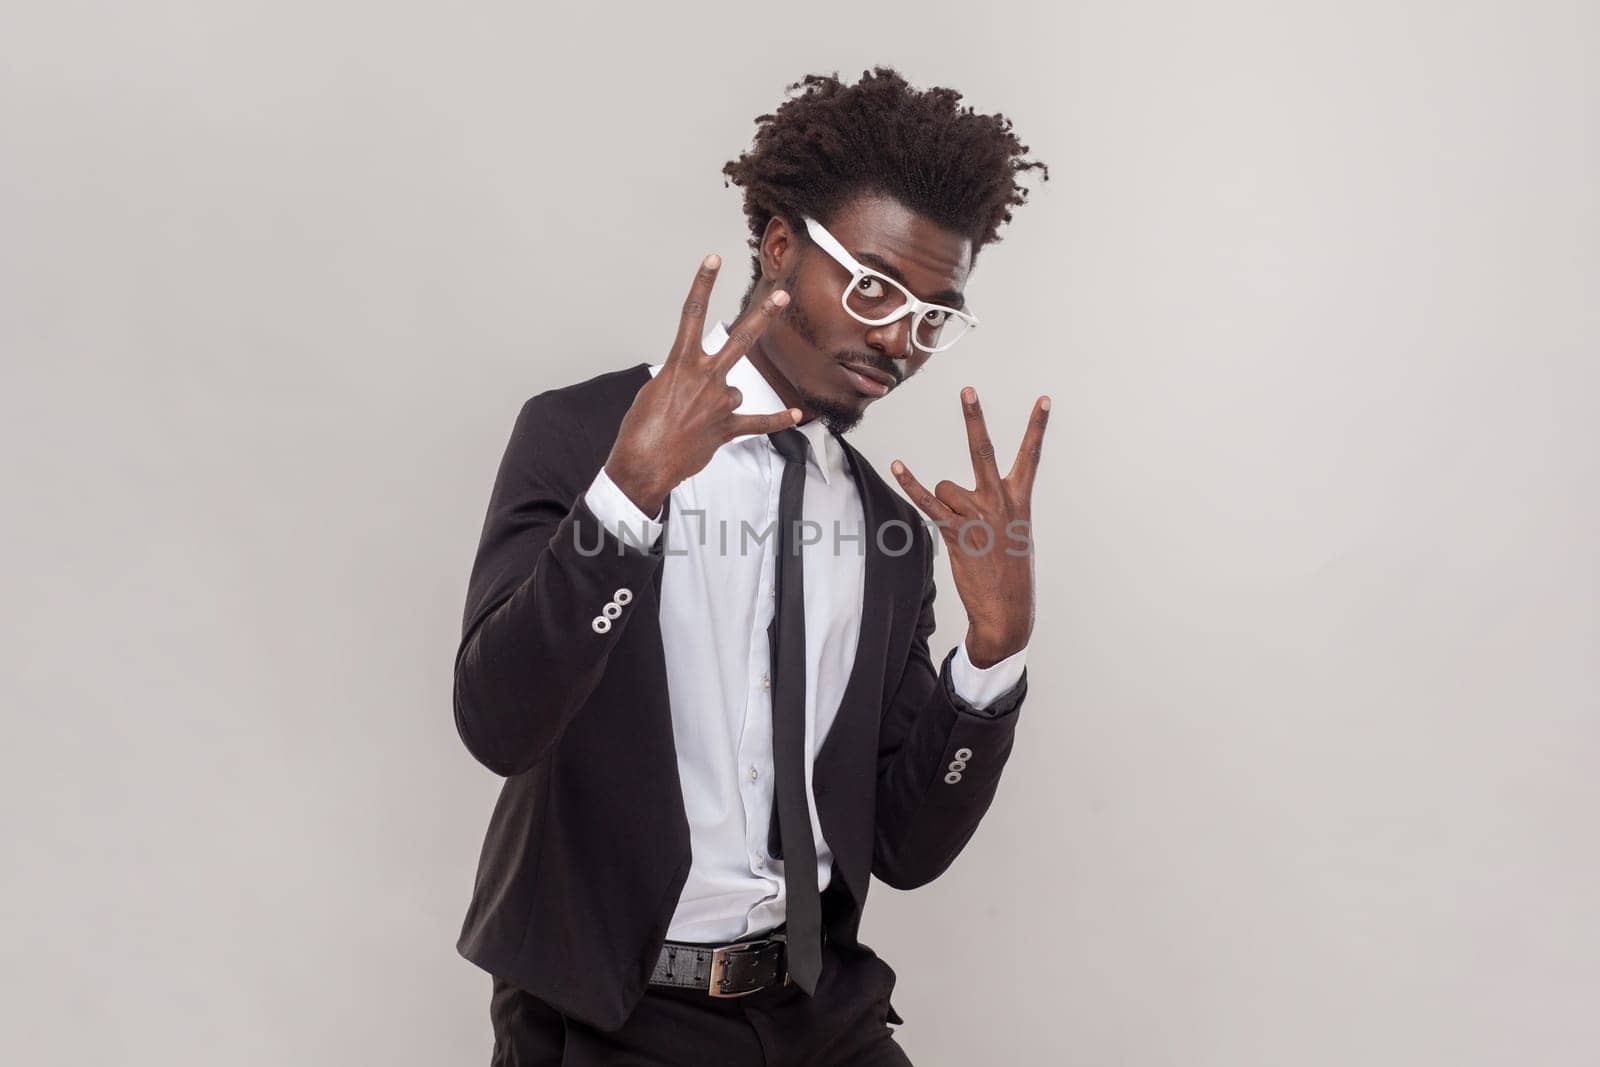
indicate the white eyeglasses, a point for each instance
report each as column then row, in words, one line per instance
column 876, row 299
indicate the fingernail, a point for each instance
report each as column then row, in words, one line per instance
column 1045, row 403
column 796, row 414
column 897, row 467
column 780, row 298
column 969, row 394
column 712, row 262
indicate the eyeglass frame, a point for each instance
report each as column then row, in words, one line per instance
column 913, row 306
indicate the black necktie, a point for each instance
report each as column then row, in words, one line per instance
column 791, row 827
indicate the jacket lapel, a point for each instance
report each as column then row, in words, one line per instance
column 845, row 773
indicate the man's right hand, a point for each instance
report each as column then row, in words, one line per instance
column 685, row 413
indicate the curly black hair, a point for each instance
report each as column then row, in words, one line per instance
column 834, row 141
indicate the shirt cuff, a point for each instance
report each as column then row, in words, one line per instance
column 620, row 515
column 981, row 686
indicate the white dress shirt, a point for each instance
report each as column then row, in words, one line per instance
column 717, row 599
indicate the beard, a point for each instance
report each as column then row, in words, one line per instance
column 840, row 418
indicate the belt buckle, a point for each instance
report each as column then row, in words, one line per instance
column 719, row 963
column 783, row 935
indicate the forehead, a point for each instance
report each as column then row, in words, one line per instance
column 930, row 257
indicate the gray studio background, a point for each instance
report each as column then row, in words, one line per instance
column 1308, row 771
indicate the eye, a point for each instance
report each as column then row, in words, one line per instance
column 935, row 316
column 869, row 288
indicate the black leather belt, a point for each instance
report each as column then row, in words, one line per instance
column 732, row 970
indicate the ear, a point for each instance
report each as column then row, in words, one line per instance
column 779, row 250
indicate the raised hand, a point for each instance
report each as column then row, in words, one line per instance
column 988, row 533
column 685, row 413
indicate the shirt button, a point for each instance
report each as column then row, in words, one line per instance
column 754, row 774
column 772, row 590
column 766, row 682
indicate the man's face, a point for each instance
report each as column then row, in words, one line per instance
column 810, row 344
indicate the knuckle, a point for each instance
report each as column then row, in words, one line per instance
column 694, row 307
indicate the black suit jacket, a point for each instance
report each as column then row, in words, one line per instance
column 588, row 847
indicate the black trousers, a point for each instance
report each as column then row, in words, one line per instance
column 844, row 1025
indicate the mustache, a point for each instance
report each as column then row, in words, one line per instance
column 876, row 362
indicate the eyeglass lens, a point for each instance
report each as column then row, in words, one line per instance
column 874, row 297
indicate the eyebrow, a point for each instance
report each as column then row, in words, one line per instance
column 944, row 296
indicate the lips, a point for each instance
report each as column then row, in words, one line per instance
column 868, row 380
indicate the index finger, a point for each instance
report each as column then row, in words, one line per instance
column 692, row 322
column 1027, row 461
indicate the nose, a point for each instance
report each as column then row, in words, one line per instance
column 893, row 339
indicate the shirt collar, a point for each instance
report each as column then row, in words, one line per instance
column 761, row 399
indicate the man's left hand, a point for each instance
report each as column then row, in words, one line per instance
column 988, row 533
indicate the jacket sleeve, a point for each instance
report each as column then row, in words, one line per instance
column 551, row 592
column 939, row 761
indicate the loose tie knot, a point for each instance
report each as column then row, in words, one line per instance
column 791, row 444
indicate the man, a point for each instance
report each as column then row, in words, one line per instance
column 696, row 632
